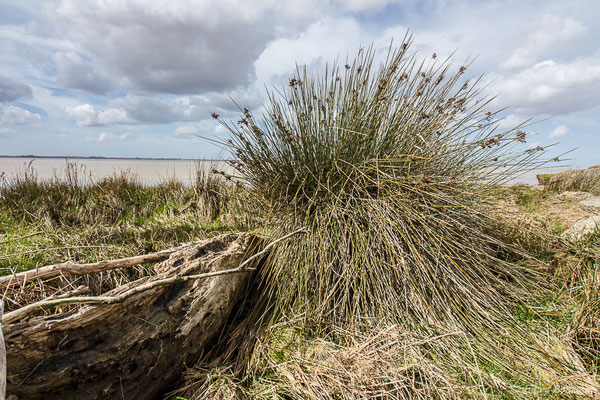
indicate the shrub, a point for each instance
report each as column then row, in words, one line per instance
column 390, row 170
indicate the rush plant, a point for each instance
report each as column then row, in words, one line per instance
column 389, row 167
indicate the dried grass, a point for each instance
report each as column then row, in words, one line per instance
column 585, row 180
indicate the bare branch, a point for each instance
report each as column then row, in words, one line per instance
column 52, row 271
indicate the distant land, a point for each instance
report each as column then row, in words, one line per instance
column 112, row 158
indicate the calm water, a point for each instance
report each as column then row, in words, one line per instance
column 153, row 171
column 148, row 171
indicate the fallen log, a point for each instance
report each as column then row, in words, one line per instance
column 2, row 358
column 137, row 347
column 70, row 268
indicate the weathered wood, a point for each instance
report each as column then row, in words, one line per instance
column 2, row 357
column 137, row 348
column 70, row 268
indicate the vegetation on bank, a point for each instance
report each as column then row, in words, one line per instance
column 392, row 170
column 75, row 218
column 419, row 276
column 328, row 361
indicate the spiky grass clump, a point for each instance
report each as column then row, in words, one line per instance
column 587, row 180
column 389, row 169
column 579, row 277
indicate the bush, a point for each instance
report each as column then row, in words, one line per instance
column 390, row 170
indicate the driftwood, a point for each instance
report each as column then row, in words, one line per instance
column 2, row 358
column 70, row 268
column 64, row 299
column 136, row 348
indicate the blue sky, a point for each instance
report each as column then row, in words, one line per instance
column 139, row 78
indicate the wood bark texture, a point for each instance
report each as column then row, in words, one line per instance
column 2, row 357
column 136, row 349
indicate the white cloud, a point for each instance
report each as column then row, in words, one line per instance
column 16, row 115
column 552, row 88
column 322, row 41
column 89, row 115
column 193, row 130
column 84, row 114
column 365, row 5
column 510, row 121
column 220, row 129
column 206, row 128
column 130, row 110
column 113, row 137
column 544, row 37
column 559, row 131
column 555, row 30
column 520, row 58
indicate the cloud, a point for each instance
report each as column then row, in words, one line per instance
column 552, row 88
column 365, row 5
column 190, row 131
column 144, row 109
column 89, row 115
column 224, row 103
column 559, row 131
column 114, row 137
column 220, row 129
column 16, row 115
column 74, row 72
column 555, row 30
column 543, row 38
column 520, row 58
column 198, row 129
column 12, row 91
column 6, row 132
column 511, row 121
column 324, row 40
column 130, row 110
column 170, row 47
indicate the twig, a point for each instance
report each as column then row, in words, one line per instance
column 24, row 311
column 52, row 271
column 22, row 237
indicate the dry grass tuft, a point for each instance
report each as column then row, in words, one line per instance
column 383, row 362
column 585, row 180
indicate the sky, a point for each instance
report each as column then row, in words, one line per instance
column 138, row 78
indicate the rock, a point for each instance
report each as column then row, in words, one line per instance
column 574, row 195
column 135, row 349
column 591, row 204
column 582, row 228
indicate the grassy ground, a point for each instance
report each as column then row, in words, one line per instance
column 43, row 223
column 388, row 361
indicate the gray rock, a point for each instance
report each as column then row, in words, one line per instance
column 582, row 228
column 591, row 204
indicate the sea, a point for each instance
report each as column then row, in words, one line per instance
column 148, row 171
column 153, row 171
